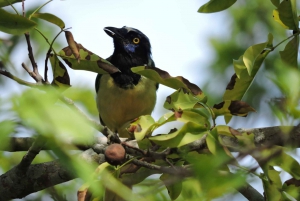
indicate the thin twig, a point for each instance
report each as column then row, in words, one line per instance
column 37, row 77
column 20, row 81
column 23, row 8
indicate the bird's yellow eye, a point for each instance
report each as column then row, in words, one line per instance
column 136, row 40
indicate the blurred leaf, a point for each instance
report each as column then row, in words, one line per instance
column 166, row 79
column 216, row 6
column 88, row 61
column 7, row 127
column 286, row 14
column 42, row 111
column 275, row 2
column 83, row 193
column 173, row 185
column 188, row 133
column 14, row 24
column 142, row 126
column 273, row 185
column 85, row 96
column 230, row 108
column 60, row 74
column 50, row 18
column 8, row 2
column 227, row 130
column 290, row 52
column 291, row 187
column 138, row 176
column 287, row 163
column 277, row 18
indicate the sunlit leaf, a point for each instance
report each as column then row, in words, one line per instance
column 142, row 126
column 251, row 54
column 166, row 79
column 188, row 133
column 14, row 24
column 216, row 6
column 290, row 52
column 50, row 18
column 180, row 100
column 286, row 14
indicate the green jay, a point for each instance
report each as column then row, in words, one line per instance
column 124, row 96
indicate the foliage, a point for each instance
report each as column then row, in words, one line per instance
column 187, row 174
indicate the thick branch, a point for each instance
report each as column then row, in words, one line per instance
column 14, row 184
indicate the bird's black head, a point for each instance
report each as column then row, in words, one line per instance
column 132, row 43
column 132, row 48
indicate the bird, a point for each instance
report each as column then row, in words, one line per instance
column 124, row 96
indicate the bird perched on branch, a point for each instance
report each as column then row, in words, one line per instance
column 124, row 96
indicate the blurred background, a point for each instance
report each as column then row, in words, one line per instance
column 199, row 47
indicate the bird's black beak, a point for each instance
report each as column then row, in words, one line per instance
column 111, row 31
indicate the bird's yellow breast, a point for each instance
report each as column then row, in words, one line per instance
column 119, row 106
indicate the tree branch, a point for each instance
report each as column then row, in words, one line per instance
column 20, row 81
column 35, row 74
column 38, row 177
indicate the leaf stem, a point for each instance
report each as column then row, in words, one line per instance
column 12, row 6
column 295, row 34
column 39, row 9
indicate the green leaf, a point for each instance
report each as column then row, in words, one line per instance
column 50, row 18
column 292, row 188
column 230, row 108
column 290, row 53
column 180, row 100
column 286, row 15
column 275, row 2
column 188, row 133
column 8, row 2
column 272, row 185
column 142, row 126
column 41, row 111
column 173, row 185
column 87, row 61
column 164, row 78
column 60, row 74
column 251, row 54
column 85, row 96
column 197, row 115
column 14, row 24
column 241, row 80
column 287, row 163
column 216, row 6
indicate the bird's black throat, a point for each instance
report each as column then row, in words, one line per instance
column 126, row 78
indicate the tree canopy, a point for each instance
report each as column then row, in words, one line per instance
column 198, row 160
